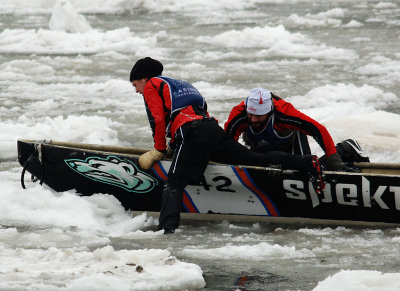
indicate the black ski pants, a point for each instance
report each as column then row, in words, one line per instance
column 198, row 142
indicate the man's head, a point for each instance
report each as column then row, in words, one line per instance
column 259, row 107
column 143, row 70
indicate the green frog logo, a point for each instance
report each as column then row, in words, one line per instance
column 114, row 171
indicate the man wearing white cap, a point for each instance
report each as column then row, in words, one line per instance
column 269, row 123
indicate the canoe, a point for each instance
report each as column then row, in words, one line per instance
column 368, row 197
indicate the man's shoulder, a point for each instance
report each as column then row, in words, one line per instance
column 155, row 81
column 241, row 106
column 155, row 84
column 280, row 104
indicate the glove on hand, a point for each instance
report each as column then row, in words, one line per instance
column 149, row 158
column 334, row 163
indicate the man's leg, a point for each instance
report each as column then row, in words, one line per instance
column 171, row 206
column 191, row 155
column 231, row 152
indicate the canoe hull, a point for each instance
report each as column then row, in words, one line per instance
column 224, row 189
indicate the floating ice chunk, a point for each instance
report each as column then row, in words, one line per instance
column 360, row 280
column 104, row 268
column 353, row 24
column 66, row 18
column 277, row 42
column 258, row 252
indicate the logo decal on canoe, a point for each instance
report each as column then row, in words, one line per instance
column 114, row 171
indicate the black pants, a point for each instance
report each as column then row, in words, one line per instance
column 198, row 142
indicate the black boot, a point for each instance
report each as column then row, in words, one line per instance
column 351, row 152
column 170, row 209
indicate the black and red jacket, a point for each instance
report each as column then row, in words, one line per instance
column 158, row 102
column 286, row 118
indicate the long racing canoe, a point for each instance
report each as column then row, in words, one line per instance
column 370, row 196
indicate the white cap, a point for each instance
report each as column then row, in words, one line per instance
column 259, row 102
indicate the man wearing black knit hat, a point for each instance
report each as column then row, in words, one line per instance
column 146, row 67
column 177, row 110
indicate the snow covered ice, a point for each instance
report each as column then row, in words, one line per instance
column 64, row 69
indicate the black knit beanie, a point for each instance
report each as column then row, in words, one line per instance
column 146, row 68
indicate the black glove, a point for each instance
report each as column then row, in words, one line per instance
column 334, row 163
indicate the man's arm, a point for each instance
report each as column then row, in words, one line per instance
column 156, row 114
column 237, row 121
column 289, row 117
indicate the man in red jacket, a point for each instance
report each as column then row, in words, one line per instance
column 268, row 123
column 177, row 110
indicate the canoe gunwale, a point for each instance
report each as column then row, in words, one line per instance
column 301, row 221
column 384, row 169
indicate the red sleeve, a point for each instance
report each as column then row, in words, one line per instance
column 237, row 121
column 289, row 117
column 156, row 111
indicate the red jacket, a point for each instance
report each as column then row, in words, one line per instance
column 286, row 117
column 158, row 107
